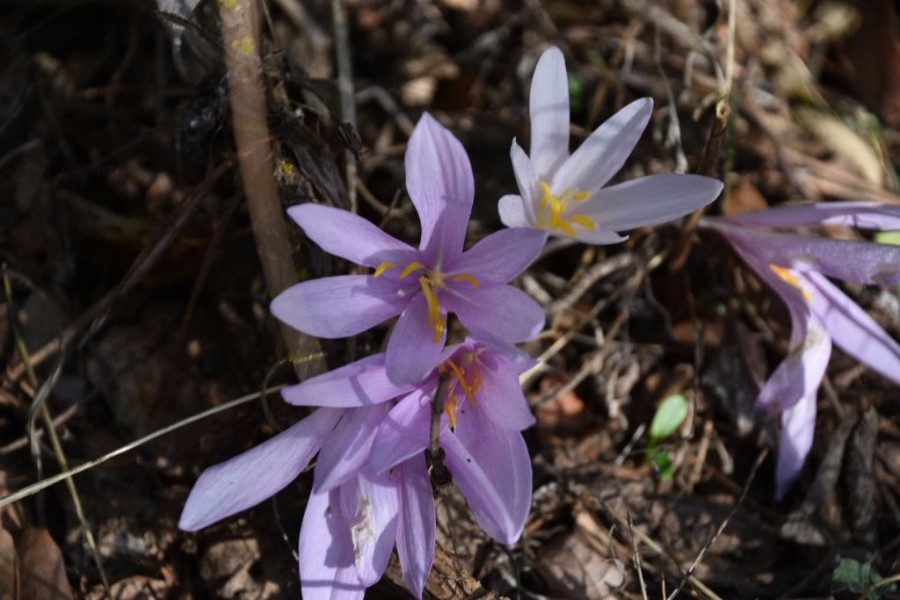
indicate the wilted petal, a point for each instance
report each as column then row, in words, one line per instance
column 650, row 200
column 416, row 524
column 500, row 256
column 798, row 424
column 341, row 306
column 441, row 186
column 327, row 571
column 549, row 110
column 348, row 446
column 259, row 473
column 404, row 432
column 854, row 330
column 361, row 383
column 606, row 150
column 500, row 396
column 514, row 211
column 861, row 215
column 492, row 469
column 373, row 504
column 412, row 351
column 504, row 312
column 345, row 234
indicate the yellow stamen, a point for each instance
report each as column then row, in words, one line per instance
column 382, row 267
column 552, row 210
column 584, row 220
column 466, row 277
column 463, row 383
column 435, row 319
column 791, row 279
column 450, row 407
column 411, row 268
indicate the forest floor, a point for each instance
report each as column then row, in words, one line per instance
column 134, row 297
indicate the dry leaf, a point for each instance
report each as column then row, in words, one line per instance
column 41, row 568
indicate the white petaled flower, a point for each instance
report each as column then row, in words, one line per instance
column 564, row 194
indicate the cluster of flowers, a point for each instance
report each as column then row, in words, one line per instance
column 371, row 486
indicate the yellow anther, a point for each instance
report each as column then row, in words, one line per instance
column 584, row 220
column 461, row 378
column 553, row 207
column 450, row 407
column 466, row 277
column 791, row 279
column 382, row 267
column 565, row 227
column 547, row 194
column 411, row 268
column 435, row 319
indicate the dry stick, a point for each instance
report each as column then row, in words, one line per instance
column 636, row 557
column 345, row 88
column 689, row 573
column 44, row 412
column 49, row 481
column 246, row 92
column 713, row 147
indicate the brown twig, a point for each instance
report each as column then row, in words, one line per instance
column 246, row 91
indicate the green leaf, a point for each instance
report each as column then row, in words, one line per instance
column 576, row 92
column 669, row 416
column 857, row 576
column 661, row 462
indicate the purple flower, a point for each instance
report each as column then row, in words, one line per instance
column 564, row 194
column 354, row 516
column 484, row 413
column 795, row 267
column 421, row 285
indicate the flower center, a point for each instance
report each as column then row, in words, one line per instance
column 792, row 279
column 431, row 281
column 553, row 210
column 465, row 379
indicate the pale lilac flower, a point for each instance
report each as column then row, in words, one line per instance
column 795, row 267
column 485, row 412
column 353, row 518
column 564, row 194
column 421, row 285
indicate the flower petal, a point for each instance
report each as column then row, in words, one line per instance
column 549, row 111
column 526, row 178
column 606, row 150
column 327, row 571
column 361, row 383
column 492, row 469
column 259, row 473
column 854, row 330
column 650, row 200
column 798, row 425
column 500, row 256
column 502, row 311
column 862, row 215
column 500, row 396
column 851, row 260
column 404, row 432
column 412, row 352
column 513, row 211
column 441, row 186
column 335, row 307
column 344, row 234
column 373, row 525
column 599, row 236
column 416, row 525
column 348, row 446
